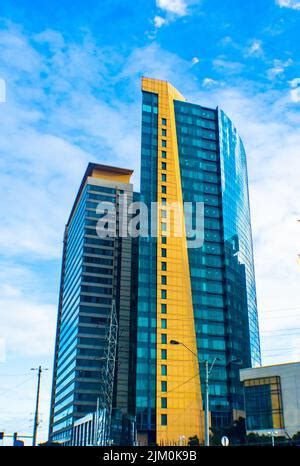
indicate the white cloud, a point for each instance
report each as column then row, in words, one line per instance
column 225, row 41
column 44, row 149
column 27, row 323
column 209, row 82
column 9, row 291
column 275, row 71
column 156, row 62
column 26, row 340
column 159, row 21
column 172, row 9
column 28, row 327
column 295, row 95
column 195, row 60
column 223, row 65
column 176, row 7
column 295, row 91
column 294, row 4
column 278, row 68
column 294, row 83
column 255, row 49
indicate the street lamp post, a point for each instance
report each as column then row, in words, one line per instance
column 206, row 404
column 208, row 371
column 207, row 374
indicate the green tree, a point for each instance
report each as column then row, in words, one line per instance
column 296, row 436
column 193, row 440
column 236, row 433
column 256, row 439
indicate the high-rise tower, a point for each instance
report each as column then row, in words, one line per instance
column 203, row 297
column 95, row 280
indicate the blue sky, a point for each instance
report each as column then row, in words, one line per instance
column 72, row 72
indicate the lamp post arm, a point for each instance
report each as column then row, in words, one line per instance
column 212, row 365
column 191, row 351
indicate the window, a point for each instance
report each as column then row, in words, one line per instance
column 263, row 403
column 164, row 403
column 163, row 201
column 164, row 121
column 164, row 143
column 163, row 308
column 163, row 338
column 164, row 214
column 163, row 294
column 164, row 189
column 164, row 240
column 164, row 420
column 147, row 108
column 163, row 154
column 163, row 226
column 164, row 266
column 163, row 165
column 163, row 354
column 164, row 323
column 164, row 369
column 163, row 280
column 164, row 132
column 163, row 252
column 163, row 177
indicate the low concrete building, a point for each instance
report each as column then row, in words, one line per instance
column 84, row 431
column 90, row 430
column 272, row 399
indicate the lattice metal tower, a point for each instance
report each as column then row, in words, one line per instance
column 104, row 409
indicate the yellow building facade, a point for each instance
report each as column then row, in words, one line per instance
column 179, row 412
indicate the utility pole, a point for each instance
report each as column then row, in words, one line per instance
column 36, row 415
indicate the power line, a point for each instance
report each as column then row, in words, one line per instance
column 16, row 386
column 290, row 316
column 183, row 383
column 281, row 350
column 280, row 335
column 281, row 332
column 282, row 309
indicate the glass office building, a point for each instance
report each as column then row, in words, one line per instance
column 204, row 297
column 96, row 275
